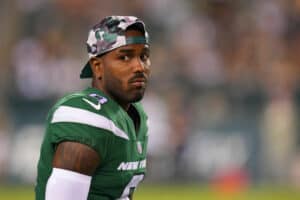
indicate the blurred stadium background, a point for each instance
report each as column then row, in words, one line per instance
column 223, row 101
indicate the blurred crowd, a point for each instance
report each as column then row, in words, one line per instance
column 224, row 96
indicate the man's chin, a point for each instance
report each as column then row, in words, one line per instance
column 137, row 96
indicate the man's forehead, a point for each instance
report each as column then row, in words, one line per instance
column 133, row 48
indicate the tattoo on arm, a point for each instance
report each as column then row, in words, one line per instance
column 76, row 157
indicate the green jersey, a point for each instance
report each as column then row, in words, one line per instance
column 90, row 117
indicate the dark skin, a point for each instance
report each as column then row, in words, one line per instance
column 76, row 157
column 121, row 74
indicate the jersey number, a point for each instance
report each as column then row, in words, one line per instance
column 130, row 187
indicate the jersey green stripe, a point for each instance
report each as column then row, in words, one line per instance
column 77, row 115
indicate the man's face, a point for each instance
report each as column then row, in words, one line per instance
column 126, row 71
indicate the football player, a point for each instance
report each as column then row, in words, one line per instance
column 96, row 140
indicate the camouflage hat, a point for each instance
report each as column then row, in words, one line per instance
column 109, row 34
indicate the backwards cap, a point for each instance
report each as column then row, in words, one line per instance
column 109, row 34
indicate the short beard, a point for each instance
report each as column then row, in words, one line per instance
column 138, row 97
column 125, row 99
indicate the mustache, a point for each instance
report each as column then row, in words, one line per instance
column 139, row 76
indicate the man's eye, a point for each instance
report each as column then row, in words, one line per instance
column 144, row 57
column 124, row 58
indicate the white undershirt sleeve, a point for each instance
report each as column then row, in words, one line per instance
column 67, row 185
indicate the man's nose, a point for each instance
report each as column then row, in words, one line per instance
column 138, row 64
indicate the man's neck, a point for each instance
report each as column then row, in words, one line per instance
column 95, row 84
column 134, row 115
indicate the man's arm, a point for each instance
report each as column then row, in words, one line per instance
column 73, row 167
column 76, row 157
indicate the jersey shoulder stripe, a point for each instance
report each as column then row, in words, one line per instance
column 81, row 116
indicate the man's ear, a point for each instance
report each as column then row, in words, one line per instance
column 96, row 65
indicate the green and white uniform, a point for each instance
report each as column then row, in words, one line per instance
column 90, row 117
